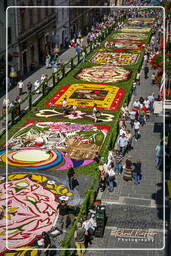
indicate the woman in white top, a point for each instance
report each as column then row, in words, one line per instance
column 110, row 178
column 36, row 86
column 136, row 129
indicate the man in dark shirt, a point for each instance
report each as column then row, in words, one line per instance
column 70, row 175
column 63, row 215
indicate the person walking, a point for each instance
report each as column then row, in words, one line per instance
column 136, row 129
column 141, row 117
column 151, row 100
column 79, row 236
column 129, row 139
column 122, row 142
column 137, row 172
column 127, row 174
column 118, row 162
column 146, row 70
column 20, row 86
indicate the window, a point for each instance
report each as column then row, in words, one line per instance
column 39, row 10
column 22, row 20
column 5, row 4
column 63, row 12
column 46, row 9
column 9, row 35
column 30, row 12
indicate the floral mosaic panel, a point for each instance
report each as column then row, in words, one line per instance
column 124, row 44
column 85, row 95
column 130, row 36
column 113, row 58
column 41, row 145
column 106, row 74
column 77, row 115
column 137, row 29
column 32, row 201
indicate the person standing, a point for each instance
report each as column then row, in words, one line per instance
column 36, row 86
column 146, row 70
column 132, row 116
column 63, row 215
column 110, row 177
column 79, row 236
column 83, row 56
column 134, row 88
column 159, row 155
column 110, row 158
column 70, row 175
column 46, row 243
column 138, row 78
column 29, row 87
column 20, row 86
column 152, row 78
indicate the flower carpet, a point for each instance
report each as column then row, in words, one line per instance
column 32, row 201
column 106, row 74
column 41, row 145
column 125, row 44
column 130, row 36
column 82, row 115
column 87, row 94
column 137, row 29
column 113, row 58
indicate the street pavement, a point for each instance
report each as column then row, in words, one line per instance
column 133, row 210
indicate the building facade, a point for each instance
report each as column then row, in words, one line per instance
column 39, row 29
column 36, row 26
column 12, row 38
column 81, row 19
